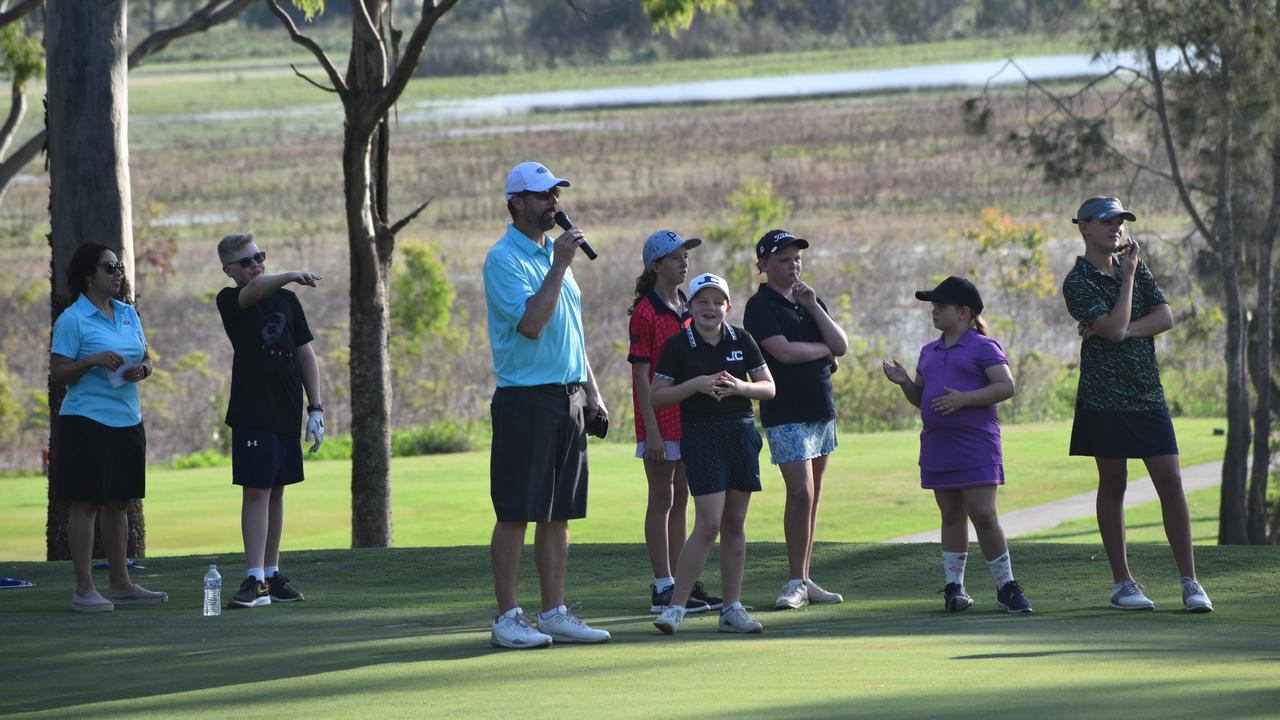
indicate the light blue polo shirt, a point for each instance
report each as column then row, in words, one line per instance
column 82, row 330
column 513, row 271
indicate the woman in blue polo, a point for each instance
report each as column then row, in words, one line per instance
column 99, row 353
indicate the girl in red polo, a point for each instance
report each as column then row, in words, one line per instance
column 960, row 378
column 658, row 312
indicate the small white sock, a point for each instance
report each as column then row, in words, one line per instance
column 271, row 570
column 257, row 572
column 727, row 608
column 795, row 582
column 1001, row 570
column 953, row 566
column 663, row 583
column 551, row 613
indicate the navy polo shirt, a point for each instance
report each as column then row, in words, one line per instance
column 803, row 389
column 686, row 355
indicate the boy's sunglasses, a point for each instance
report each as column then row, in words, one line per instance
column 115, row 268
column 245, row 262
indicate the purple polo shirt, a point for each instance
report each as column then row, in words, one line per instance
column 969, row 437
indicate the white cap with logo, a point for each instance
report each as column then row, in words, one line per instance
column 532, row 177
column 707, row 280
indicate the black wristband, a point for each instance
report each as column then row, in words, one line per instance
column 315, row 408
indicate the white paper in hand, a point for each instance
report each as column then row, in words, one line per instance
column 117, row 377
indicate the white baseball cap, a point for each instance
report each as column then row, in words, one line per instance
column 532, row 177
column 707, row 280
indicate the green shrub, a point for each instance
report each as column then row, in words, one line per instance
column 431, row 439
column 209, row 457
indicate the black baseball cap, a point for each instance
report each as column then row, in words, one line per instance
column 774, row 240
column 954, row 291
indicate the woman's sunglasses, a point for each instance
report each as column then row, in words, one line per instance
column 245, row 262
column 115, row 268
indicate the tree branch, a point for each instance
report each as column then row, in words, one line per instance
column 18, row 12
column 339, row 86
column 298, row 72
column 17, row 109
column 1166, row 132
column 213, row 13
column 408, row 218
column 432, row 11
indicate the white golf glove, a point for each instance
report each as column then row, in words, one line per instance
column 315, row 428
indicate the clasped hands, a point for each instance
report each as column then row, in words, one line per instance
column 720, row 385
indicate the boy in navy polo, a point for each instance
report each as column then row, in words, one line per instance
column 714, row 370
column 273, row 363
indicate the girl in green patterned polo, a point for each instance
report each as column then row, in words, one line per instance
column 1120, row 405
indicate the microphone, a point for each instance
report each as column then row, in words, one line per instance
column 564, row 222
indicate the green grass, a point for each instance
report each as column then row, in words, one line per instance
column 1143, row 523
column 872, row 493
column 403, row 633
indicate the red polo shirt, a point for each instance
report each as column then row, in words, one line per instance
column 652, row 322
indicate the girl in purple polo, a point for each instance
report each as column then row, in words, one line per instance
column 960, row 378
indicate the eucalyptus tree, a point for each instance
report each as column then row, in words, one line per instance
column 87, row 110
column 1204, row 87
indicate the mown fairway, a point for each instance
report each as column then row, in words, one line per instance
column 403, row 633
column 872, row 493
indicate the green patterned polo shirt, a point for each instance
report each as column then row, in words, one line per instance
column 1121, row 376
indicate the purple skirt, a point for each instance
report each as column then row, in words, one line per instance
column 961, row 479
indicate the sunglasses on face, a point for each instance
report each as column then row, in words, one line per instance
column 115, row 268
column 245, row 262
column 544, row 195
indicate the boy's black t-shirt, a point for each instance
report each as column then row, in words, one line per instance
column 686, row 355
column 804, row 389
column 266, row 378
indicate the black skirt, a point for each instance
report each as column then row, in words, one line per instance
column 1113, row 435
column 94, row 463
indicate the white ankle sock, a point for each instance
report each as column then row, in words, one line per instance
column 271, row 570
column 1001, row 570
column 663, row 583
column 953, row 566
column 257, row 572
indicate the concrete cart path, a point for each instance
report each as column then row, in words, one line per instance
column 1052, row 514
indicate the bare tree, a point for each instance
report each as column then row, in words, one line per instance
column 213, row 12
column 1212, row 117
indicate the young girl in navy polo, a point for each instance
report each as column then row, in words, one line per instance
column 714, row 370
column 960, row 378
column 658, row 312
column 800, row 342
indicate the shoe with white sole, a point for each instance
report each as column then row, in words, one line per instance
column 795, row 594
column 565, row 627
column 670, row 619
column 818, row 596
column 514, row 631
column 736, row 620
column 1127, row 595
column 1194, row 597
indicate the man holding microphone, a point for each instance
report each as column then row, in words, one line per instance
column 546, row 396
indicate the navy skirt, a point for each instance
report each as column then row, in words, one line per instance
column 1113, row 435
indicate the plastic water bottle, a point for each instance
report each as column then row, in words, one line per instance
column 212, row 592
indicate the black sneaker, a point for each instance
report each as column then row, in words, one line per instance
column 955, row 599
column 662, row 599
column 280, row 590
column 700, row 594
column 1010, row 597
column 252, row 593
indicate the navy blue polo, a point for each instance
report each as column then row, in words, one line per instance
column 686, row 355
column 803, row 389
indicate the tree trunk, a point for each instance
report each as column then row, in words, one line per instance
column 1232, row 524
column 364, row 175
column 89, row 199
